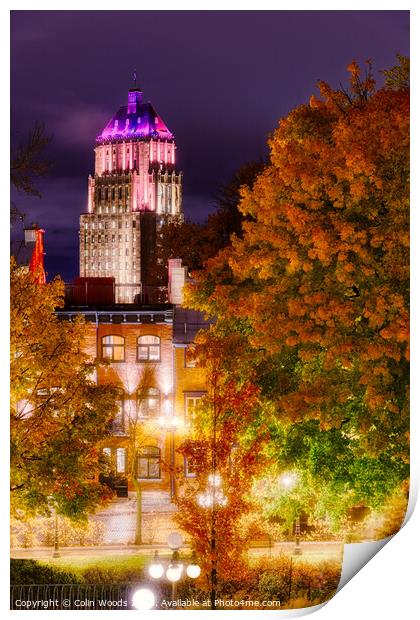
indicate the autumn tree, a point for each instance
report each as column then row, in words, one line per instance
column 58, row 414
column 223, row 459
column 320, row 275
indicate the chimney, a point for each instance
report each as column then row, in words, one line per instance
column 177, row 275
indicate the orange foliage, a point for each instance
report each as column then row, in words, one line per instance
column 323, row 266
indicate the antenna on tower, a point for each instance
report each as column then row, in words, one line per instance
column 135, row 77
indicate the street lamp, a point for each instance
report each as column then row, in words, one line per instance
column 156, row 568
column 298, row 549
column 143, row 599
column 213, row 496
column 56, row 553
column 289, row 481
column 170, row 424
column 175, row 568
column 193, row 569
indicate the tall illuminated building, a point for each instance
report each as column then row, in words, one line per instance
column 135, row 190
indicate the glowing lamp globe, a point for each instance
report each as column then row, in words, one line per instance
column 289, row 480
column 193, row 571
column 143, row 599
column 174, row 572
column 156, row 570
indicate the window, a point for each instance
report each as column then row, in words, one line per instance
column 113, row 348
column 118, row 423
column 115, row 461
column 107, row 459
column 148, row 349
column 191, row 400
column 190, row 359
column 149, row 403
column 148, row 463
column 189, row 470
column 121, row 460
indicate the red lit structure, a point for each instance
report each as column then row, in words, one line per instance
column 36, row 265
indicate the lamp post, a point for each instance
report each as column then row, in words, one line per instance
column 170, row 424
column 289, row 481
column 56, row 553
column 213, row 498
column 298, row 549
column 174, row 570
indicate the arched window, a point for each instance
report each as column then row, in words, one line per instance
column 113, row 348
column 148, row 349
column 149, row 403
column 148, row 463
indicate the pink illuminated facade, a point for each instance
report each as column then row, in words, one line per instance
column 134, row 192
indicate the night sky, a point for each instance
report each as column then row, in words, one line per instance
column 221, row 80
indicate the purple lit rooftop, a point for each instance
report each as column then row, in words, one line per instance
column 135, row 120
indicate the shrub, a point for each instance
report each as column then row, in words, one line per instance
column 27, row 572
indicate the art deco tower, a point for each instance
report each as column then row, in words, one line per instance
column 135, row 191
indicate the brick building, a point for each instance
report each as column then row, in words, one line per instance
column 135, row 191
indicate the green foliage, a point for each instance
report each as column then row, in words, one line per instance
column 281, row 579
column 26, row 572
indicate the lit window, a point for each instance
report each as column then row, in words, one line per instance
column 148, row 349
column 191, row 401
column 113, row 348
column 121, row 460
column 148, row 463
column 189, row 469
column 148, row 403
column 190, row 359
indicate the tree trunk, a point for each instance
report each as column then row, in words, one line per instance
column 139, row 514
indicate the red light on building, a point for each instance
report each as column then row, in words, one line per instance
column 36, row 265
